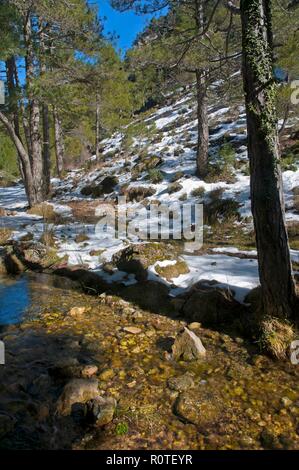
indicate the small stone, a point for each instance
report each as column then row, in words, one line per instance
column 77, row 311
column 194, row 326
column 286, row 402
column 107, row 375
column 89, row 371
column 180, row 384
column 131, row 384
column 188, row 346
column 132, row 329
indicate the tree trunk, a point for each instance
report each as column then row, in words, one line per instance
column 202, row 100
column 276, row 277
column 25, row 160
column 34, row 117
column 46, row 127
column 59, row 142
column 97, row 139
column 12, row 89
column 46, row 151
column 203, row 125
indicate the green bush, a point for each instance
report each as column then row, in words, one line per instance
column 155, row 176
column 227, row 155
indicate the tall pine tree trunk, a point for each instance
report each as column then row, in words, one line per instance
column 202, row 126
column 277, row 283
column 98, row 124
column 202, row 100
column 59, row 142
column 36, row 154
column 46, row 125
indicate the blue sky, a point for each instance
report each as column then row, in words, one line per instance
column 126, row 25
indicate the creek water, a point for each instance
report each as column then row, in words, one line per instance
column 23, row 297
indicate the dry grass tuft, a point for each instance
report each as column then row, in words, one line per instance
column 276, row 337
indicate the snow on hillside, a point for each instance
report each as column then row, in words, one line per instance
column 173, row 140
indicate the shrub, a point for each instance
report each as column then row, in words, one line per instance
column 174, row 188
column 198, row 192
column 227, row 155
column 221, row 210
column 155, row 176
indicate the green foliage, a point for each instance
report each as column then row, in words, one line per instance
column 155, row 176
column 227, row 155
column 121, row 429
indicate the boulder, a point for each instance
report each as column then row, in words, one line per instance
column 76, row 391
column 39, row 255
column 171, row 271
column 210, row 305
column 188, row 346
column 106, row 186
column 135, row 259
column 101, row 410
column 150, row 295
column 3, row 212
column 202, row 408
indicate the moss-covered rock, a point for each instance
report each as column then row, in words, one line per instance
column 136, row 259
column 202, row 409
column 172, row 271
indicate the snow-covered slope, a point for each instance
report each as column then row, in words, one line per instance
column 168, row 138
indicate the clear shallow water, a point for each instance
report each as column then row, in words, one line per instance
column 14, row 299
column 26, row 296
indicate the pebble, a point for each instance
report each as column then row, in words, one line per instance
column 132, row 329
column 89, row 371
column 77, row 311
column 107, row 375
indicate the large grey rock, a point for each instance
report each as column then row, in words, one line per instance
column 188, row 346
column 76, row 391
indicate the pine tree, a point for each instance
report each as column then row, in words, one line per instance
column 276, row 277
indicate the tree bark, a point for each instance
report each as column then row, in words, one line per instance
column 25, row 160
column 202, row 126
column 34, row 117
column 59, row 142
column 275, row 269
column 98, row 124
column 202, row 101
column 46, row 126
